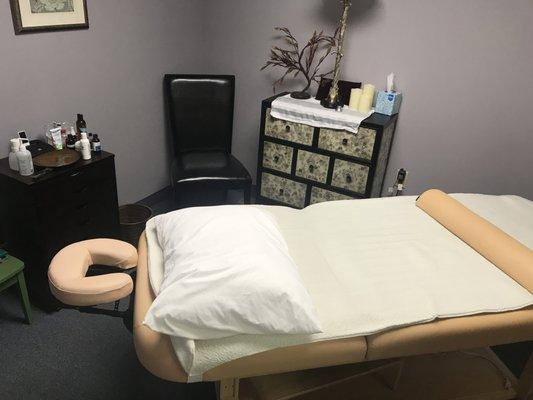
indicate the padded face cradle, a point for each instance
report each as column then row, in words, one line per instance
column 66, row 274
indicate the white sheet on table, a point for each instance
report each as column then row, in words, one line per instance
column 373, row 265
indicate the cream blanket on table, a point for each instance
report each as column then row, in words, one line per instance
column 373, row 265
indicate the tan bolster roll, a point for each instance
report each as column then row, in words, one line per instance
column 507, row 253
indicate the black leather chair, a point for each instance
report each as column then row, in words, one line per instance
column 200, row 122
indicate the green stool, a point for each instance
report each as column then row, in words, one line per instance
column 12, row 272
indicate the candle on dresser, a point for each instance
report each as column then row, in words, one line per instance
column 355, row 98
column 365, row 105
column 369, row 90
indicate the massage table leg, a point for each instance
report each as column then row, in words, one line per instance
column 525, row 385
column 228, row 389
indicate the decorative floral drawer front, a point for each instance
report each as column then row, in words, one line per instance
column 284, row 190
column 278, row 157
column 312, row 166
column 321, row 195
column 350, row 176
column 298, row 133
column 360, row 145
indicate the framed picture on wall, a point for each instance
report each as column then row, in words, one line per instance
column 49, row 15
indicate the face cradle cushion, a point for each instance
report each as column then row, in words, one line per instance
column 66, row 274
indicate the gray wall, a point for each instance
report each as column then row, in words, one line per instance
column 112, row 73
column 465, row 69
column 464, row 66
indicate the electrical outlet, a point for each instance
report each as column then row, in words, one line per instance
column 402, row 177
column 399, row 186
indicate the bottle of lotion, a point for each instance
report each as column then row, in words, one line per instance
column 96, row 144
column 25, row 160
column 71, row 140
column 13, row 161
column 85, row 147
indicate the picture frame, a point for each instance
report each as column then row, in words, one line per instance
column 31, row 16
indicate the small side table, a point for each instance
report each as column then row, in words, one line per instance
column 12, row 272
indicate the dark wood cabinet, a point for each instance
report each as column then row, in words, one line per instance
column 38, row 217
column 299, row 165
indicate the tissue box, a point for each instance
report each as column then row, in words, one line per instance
column 388, row 103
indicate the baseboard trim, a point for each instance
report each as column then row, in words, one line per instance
column 157, row 197
column 166, row 193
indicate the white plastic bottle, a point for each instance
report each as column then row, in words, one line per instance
column 13, row 161
column 25, row 161
column 85, row 147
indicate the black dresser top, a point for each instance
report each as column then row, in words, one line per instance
column 5, row 171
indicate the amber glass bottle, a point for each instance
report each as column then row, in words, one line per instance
column 81, row 125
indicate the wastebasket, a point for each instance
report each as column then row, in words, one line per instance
column 133, row 218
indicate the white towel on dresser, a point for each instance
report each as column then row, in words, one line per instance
column 372, row 265
column 310, row 112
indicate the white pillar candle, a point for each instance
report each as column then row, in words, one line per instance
column 365, row 105
column 355, row 97
column 369, row 90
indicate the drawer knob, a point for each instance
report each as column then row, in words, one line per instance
column 349, row 179
column 345, row 142
column 276, row 159
column 281, row 191
column 287, row 128
column 311, row 168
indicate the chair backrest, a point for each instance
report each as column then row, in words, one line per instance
column 200, row 111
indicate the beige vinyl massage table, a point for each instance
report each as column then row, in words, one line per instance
column 156, row 352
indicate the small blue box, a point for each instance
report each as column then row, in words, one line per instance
column 388, row 103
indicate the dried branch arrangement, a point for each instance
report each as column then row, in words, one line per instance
column 298, row 61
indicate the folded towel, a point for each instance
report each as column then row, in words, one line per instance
column 310, row 112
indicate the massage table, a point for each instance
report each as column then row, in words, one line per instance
column 157, row 353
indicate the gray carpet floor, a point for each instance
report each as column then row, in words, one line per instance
column 69, row 355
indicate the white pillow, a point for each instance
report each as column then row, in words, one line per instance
column 227, row 272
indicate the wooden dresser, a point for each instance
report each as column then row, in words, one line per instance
column 40, row 217
column 299, row 165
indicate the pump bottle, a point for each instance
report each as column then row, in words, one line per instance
column 13, row 161
column 25, row 160
column 85, row 147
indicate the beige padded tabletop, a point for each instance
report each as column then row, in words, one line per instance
column 157, row 354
